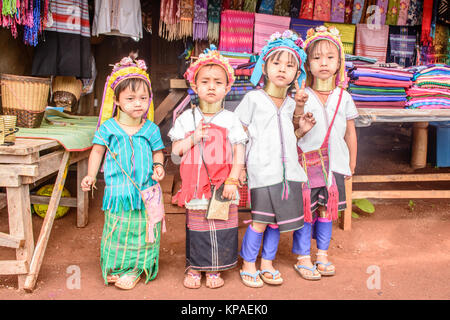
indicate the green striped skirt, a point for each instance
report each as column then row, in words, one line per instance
column 123, row 247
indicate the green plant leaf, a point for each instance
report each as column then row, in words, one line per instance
column 365, row 205
column 355, row 215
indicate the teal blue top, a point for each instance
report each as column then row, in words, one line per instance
column 135, row 155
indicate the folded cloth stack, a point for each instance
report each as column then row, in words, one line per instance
column 431, row 88
column 379, row 87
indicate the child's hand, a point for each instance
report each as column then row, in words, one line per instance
column 242, row 178
column 229, row 191
column 201, row 132
column 158, row 173
column 306, row 122
column 87, row 182
column 300, row 95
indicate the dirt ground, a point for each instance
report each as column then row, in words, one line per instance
column 401, row 251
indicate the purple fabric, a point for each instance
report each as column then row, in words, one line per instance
column 301, row 243
column 251, row 243
column 270, row 243
column 337, row 11
column 356, row 74
column 322, row 233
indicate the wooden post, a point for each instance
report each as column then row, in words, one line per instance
column 46, row 228
column 346, row 218
column 419, row 145
column 20, row 224
column 82, row 197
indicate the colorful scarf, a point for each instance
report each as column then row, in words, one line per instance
column 358, row 5
column 402, row 45
column 236, row 31
column 443, row 15
column 200, row 20
column 347, row 32
column 392, row 13
column 337, row 10
column 366, row 13
column 322, row 10
column 426, row 22
column 214, row 7
column 250, row 5
column 403, row 12
column 186, row 17
column 237, row 4
column 383, row 7
column 265, row 26
column 295, row 8
column 301, row 26
column 414, row 13
column 282, row 8
column 348, row 11
column 307, row 9
column 372, row 41
column 168, row 19
column 266, row 6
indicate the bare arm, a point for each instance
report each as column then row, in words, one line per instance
column 95, row 159
column 180, row 147
column 229, row 190
column 158, row 170
column 352, row 143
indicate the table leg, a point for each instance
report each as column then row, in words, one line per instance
column 44, row 235
column 419, row 145
column 82, row 197
column 346, row 218
column 20, row 225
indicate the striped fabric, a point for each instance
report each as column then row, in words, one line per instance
column 402, row 45
column 123, row 247
column 371, row 41
column 236, row 31
column 211, row 245
column 265, row 26
column 70, row 16
column 135, row 156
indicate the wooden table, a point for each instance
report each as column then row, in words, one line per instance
column 27, row 162
column 420, row 119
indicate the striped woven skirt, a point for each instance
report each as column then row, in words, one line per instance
column 123, row 247
column 211, row 245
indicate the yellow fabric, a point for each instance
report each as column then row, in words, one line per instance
column 347, row 32
column 108, row 97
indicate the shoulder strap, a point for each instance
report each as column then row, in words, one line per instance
column 325, row 141
column 201, row 149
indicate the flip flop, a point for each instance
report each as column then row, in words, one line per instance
column 119, row 283
column 325, row 272
column 255, row 283
column 110, row 279
column 271, row 280
column 304, row 276
column 216, row 276
column 197, row 280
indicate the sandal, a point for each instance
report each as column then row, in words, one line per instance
column 255, row 283
column 299, row 268
column 196, row 283
column 325, row 271
column 112, row 278
column 214, row 278
column 271, row 280
column 124, row 283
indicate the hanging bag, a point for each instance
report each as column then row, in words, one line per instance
column 153, row 201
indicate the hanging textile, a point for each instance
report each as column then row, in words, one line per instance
column 392, row 13
column 414, row 13
column 322, row 10
column 185, row 27
column 347, row 32
column 282, row 8
column 214, row 7
column 383, row 8
column 366, row 12
column 200, row 20
column 337, row 10
column 250, row 5
column 358, row 5
column 169, row 18
column 265, row 26
column 426, row 22
column 66, row 50
column 348, row 11
column 443, row 15
column 307, row 9
column 403, row 12
column 402, row 45
column 301, row 26
column 266, row 6
column 295, row 8
column 236, row 31
column 372, row 41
